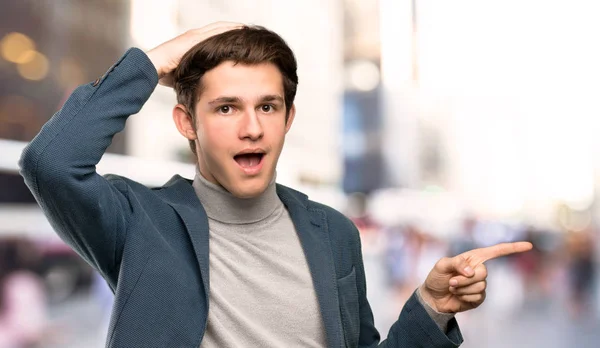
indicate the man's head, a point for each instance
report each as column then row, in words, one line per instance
column 235, row 94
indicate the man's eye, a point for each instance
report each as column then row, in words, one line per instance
column 225, row 109
column 267, row 108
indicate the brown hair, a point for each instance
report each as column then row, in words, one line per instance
column 248, row 45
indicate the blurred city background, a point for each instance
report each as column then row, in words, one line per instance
column 437, row 126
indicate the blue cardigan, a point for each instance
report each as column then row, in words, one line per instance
column 151, row 245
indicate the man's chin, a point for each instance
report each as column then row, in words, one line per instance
column 247, row 194
column 248, row 190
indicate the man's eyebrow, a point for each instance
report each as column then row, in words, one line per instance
column 225, row 100
column 271, row 97
column 238, row 100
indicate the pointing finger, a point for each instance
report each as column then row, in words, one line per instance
column 503, row 249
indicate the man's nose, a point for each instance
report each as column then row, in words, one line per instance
column 251, row 127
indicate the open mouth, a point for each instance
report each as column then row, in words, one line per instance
column 249, row 160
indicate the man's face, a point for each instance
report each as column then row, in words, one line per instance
column 241, row 126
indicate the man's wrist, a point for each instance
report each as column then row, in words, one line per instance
column 426, row 297
column 156, row 62
column 441, row 319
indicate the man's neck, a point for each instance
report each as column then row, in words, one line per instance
column 221, row 205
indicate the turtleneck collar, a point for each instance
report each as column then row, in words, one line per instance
column 222, row 206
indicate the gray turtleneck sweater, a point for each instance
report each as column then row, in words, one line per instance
column 261, row 290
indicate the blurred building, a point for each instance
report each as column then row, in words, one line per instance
column 48, row 49
column 361, row 113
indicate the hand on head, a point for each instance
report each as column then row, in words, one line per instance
column 458, row 283
column 167, row 55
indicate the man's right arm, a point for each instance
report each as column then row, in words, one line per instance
column 88, row 211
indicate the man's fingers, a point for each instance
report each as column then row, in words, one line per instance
column 476, row 298
column 201, row 35
column 177, row 47
column 220, row 30
column 212, row 30
column 480, row 274
column 221, row 24
column 195, row 36
column 166, row 56
column 475, row 288
column 167, row 80
column 214, row 27
column 503, row 249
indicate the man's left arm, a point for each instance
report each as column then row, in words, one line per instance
column 454, row 285
column 415, row 327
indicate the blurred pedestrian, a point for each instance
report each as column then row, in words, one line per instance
column 23, row 311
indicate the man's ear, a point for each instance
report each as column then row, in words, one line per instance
column 290, row 118
column 183, row 122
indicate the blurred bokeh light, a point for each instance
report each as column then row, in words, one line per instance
column 17, row 48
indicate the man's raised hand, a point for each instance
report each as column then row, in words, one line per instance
column 167, row 56
column 458, row 283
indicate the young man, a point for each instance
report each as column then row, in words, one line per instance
column 281, row 270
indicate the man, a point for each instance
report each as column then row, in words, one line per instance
column 281, row 270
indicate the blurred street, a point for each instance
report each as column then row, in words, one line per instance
column 436, row 126
column 536, row 323
column 543, row 323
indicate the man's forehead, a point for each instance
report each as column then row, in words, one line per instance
column 243, row 81
column 233, row 70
